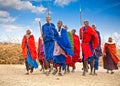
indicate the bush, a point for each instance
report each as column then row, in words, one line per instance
column 11, row 54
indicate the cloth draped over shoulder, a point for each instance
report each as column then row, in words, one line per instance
column 49, row 34
column 62, row 48
column 112, row 50
column 41, row 54
column 29, row 50
column 31, row 45
column 87, row 36
column 64, row 43
column 76, row 42
column 98, row 50
column 70, row 37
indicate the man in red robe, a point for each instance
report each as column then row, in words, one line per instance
column 110, row 56
column 29, row 51
column 76, row 48
column 41, row 54
column 89, row 43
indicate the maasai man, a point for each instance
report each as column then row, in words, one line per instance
column 59, row 54
column 110, row 59
column 76, row 42
column 68, row 57
column 62, row 48
column 98, row 51
column 29, row 51
column 49, row 33
column 89, row 43
column 41, row 54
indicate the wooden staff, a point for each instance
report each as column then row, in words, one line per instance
column 40, row 29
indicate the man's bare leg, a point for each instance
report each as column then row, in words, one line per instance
column 91, row 67
column 41, row 63
column 73, row 69
column 95, row 72
column 60, row 74
column 55, row 70
column 50, row 65
column 68, row 69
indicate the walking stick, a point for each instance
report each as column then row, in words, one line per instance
column 40, row 27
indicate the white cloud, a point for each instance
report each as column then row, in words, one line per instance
column 63, row 2
column 22, row 5
column 11, row 27
column 5, row 17
column 116, row 37
column 4, row 14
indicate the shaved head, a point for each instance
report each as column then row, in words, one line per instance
column 110, row 39
column 86, row 23
column 93, row 26
column 48, row 19
column 73, row 31
column 28, row 31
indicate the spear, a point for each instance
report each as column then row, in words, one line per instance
column 80, row 16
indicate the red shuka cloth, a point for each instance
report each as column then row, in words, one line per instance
column 69, row 61
column 87, row 36
column 41, row 54
column 31, row 45
column 112, row 50
column 76, row 42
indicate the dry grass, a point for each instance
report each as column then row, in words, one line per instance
column 10, row 53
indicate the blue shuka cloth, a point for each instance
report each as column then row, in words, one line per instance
column 96, row 63
column 64, row 43
column 49, row 33
column 92, row 57
column 60, row 59
column 31, row 62
column 49, row 48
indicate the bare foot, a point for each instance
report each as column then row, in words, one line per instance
column 83, row 74
column 26, row 73
column 47, row 73
column 55, row 71
column 95, row 74
column 90, row 74
column 112, row 72
column 41, row 69
column 59, row 74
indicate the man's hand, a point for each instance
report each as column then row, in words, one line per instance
column 42, row 36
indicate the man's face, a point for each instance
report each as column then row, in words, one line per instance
column 110, row 39
column 48, row 19
column 28, row 32
column 59, row 24
column 73, row 31
column 86, row 23
column 94, row 27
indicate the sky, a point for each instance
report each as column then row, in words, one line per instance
column 16, row 16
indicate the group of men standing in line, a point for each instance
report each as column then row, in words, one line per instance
column 59, row 49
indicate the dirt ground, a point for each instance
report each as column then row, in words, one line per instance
column 14, row 75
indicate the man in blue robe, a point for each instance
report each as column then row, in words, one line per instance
column 49, row 33
column 98, row 51
column 62, row 48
